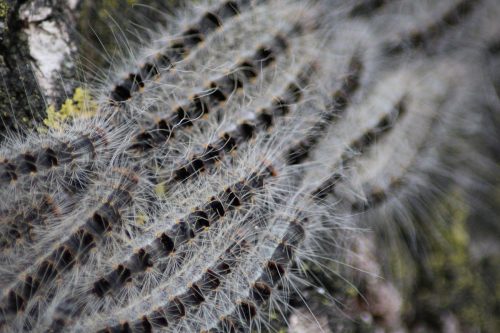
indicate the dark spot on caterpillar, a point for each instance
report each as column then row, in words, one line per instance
column 358, row 206
column 8, row 174
column 46, row 271
column 227, row 142
column 209, row 281
column 167, row 244
column 264, row 119
column 48, row 205
column 106, row 216
column 340, row 101
column 260, row 292
column 216, row 209
column 120, row 197
column 228, row 83
column 296, row 29
column 81, row 242
column 133, row 82
column 193, row 296
column 415, row 39
column 180, row 233
column 77, row 182
column 367, row 8
column 235, row 251
column 199, row 219
column 210, row 154
column 228, row 10
column 162, row 61
column 256, row 180
column 384, row 123
column 264, row 56
column 231, row 199
column 273, row 272
column 15, row 303
column 242, row 190
column 364, row 141
column 305, row 74
column 197, row 108
column 120, row 328
column 177, row 51
column 143, row 141
column 180, row 117
column 351, row 83
column 247, row 69
column 295, row 233
column 245, row 131
column 140, row 261
column 228, row 325
column 101, row 287
column 120, row 275
column 143, row 326
column 292, row 94
column 209, row 22
column 215, row 95
column 279, row 107
column 158, row 318
column 247, row 310
column 181, row 174
column 454, row 16
column 148, row 70
column 164, row 129
column 328, row 186
column 57, row 325
column 47, row 158
column 14, row 233
column 63, row 257
column 192, row 37
column 64, row 153
column 29, row 287
column 222, row 268
column 120, row 94
column 99, row 224
column 280, row 43
column 300, row 151
column 26, row 163
column 283, row 253
column 374, row 199
column 175, row 310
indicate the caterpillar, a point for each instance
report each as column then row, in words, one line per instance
column 234, row 150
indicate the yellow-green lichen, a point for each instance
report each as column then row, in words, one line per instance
column 141, row 219
column 160, row 189
column 80, row 106
column 4, row 9
column 449, row 281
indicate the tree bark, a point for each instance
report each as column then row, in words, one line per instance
column 37, row 48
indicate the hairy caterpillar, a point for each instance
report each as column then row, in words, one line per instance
column 230, row 151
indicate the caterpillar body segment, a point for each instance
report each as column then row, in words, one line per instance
column 109, row 218
column 206, row 23
column 233, row 150
column 211, row 97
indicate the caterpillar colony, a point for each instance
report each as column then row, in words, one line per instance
column 233, row 149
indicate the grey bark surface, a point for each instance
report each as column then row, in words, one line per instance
column 36, row 52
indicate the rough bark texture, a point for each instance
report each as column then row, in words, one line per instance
column 37, row 48
column 453, row 287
